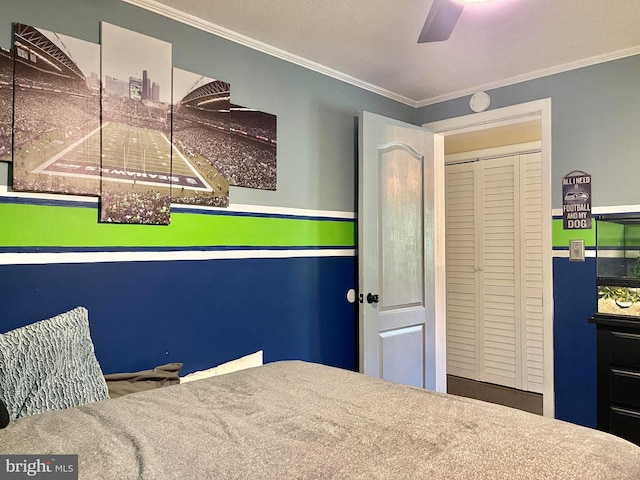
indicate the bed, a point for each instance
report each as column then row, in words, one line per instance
column 288, row 419
column 294, row 419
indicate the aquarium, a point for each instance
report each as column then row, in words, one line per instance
column 618, row 264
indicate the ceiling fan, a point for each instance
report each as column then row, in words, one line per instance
column 441, row 20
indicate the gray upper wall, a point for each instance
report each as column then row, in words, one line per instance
column 595, row 116
column 316, row 113
column 595, row 110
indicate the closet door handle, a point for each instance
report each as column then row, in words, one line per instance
column 371, row 298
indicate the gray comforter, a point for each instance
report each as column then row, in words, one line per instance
column 301, row 420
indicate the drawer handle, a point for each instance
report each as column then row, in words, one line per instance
column 624, row 411
column 625, row 373
column 631, row 336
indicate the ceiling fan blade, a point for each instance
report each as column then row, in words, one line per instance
column 441, row 20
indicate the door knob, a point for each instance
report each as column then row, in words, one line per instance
column 371, row 298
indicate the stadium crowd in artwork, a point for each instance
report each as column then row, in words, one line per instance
column 6, row 103
column 139, row 134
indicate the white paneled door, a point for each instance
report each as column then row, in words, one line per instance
column 494, row 271
column 399, row 187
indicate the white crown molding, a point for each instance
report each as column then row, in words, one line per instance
column 545, row 72
column 191, row 20
column 246, row 41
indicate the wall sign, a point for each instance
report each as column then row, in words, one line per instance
column 576, row 200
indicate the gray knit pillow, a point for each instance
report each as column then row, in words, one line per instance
column 50, row 365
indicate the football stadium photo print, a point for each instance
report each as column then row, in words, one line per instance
column 136, row 127
column 56, row 113
column 116, row 121
column 198, row 122
column 6, row 103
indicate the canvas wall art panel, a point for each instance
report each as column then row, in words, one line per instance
column 251, row 161
column 56, row 114
column 136, row 127
column 6, row 104
column 200, row 126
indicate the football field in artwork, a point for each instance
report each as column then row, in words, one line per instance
column 130, row 155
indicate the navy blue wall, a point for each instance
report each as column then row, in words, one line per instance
column 201, row 313
column 574, row 338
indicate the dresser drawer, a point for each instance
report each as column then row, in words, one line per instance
column 625, row 424
column 625, row 349
column 625, row 388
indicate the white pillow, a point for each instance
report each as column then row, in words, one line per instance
column 248, row 361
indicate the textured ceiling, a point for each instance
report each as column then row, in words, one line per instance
column 373, row 43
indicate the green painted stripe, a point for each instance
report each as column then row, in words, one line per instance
column 561, row 237
column 63, row 226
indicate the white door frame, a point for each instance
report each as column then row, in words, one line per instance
column 539, row 109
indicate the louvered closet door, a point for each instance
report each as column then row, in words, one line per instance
column 531, row 270
column 461, row 275
column 494, row 271
column 499, row 262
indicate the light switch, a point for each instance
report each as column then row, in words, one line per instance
column 576, row 250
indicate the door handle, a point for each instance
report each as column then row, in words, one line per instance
column 371, row 298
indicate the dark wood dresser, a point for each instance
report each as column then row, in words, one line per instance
column 618, row 345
